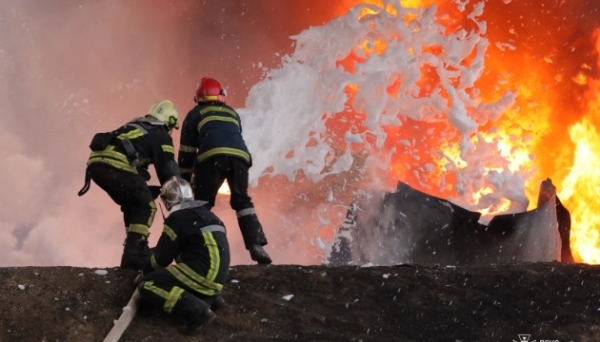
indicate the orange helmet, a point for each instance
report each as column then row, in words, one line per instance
column 208, row 90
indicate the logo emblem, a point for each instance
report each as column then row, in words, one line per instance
column 524, row 338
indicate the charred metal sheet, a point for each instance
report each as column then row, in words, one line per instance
column 409, row 226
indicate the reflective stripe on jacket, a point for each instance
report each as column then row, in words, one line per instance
column 211, row 129
column 196, row 239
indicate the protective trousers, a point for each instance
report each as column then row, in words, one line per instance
column 161, row 289
column 131, row 192
column 210, row 174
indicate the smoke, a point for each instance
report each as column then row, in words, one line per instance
column 71, row 69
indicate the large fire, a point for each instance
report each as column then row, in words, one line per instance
column 551, row 131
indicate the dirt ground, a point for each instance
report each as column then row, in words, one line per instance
column 550, row 301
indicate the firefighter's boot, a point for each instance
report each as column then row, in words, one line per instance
column 258, row 254
column 194, row 312
column 254, row 237
column 136, row 253
column 218, row 303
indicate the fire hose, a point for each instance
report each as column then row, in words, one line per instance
column 126, row 317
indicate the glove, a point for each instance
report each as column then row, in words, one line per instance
column 154, row 190
column 138, row 278
column 144, row 173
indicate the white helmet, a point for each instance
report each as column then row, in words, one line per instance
column 174, row 191
column 165, row 112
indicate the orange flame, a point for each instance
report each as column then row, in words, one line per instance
column 224, row 189
column 539, row 136
column 580, row 188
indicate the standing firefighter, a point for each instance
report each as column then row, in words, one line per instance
column 119, row 164
column 196, row 239
column 213, row 149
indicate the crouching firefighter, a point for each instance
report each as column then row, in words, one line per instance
column 119, row 164
column 196, row 239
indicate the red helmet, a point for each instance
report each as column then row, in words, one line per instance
column 208, row 90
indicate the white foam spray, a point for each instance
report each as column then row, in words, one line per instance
column 286, row 113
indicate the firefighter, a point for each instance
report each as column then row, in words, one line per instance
column 119, row 164
column 213, row 150
column 196, row 239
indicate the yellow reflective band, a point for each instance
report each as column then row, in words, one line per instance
column 185, row 170
column 152, row 213
column 218, row 109
column 138, row 228
column 154, row 263
column 170, row 232
column 189, row 283
column 187, row 148
column 216, row 118
column 110, row 154
column 213, row 253
column 167, row 148
column 111, row 157
column 172, row 299
column 149, row 286
column 134, row 133
column 193, row 280
column 224, row 150
column 198, row 278
column 116, row 164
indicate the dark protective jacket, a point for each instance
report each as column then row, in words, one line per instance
column 137, row 144
column 196, row 239
column 211, row 129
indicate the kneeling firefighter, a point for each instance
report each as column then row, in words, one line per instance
column 196, row 239
column 119, row 164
